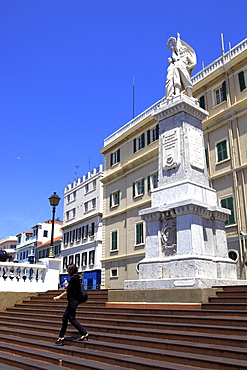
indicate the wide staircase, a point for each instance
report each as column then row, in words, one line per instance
column 213, row 337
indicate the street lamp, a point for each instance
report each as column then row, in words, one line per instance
column 54, row 201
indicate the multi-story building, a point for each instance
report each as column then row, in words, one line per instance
column 131, row 165
column 221, row 89
column 27, row 242
column 43, row 250
column 9, row 245
column 82, row 230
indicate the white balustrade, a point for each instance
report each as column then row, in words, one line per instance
column 25, row 277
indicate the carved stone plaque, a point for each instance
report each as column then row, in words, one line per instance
column 196, row 148
column 169, row 237
column 171, row 148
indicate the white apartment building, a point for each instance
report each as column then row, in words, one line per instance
column 27, row 242
column 9, row 245
column 82, row 229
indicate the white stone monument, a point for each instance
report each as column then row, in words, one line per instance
column 186, row 242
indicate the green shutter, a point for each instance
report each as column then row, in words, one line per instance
column 157, row 131
column 149, row 183
column 148, row 137
column 202, row 102
column 224, row 90
column 143, row 140
column 241, row 79
column 206, row 156
column 114, row 240
column 228, row 204
column 137, row 233
column 134, row 145
column 110, row 200
column 118, row 155
column 118, row 197
column 111, row 159
column 143, row 180
column 134, row 189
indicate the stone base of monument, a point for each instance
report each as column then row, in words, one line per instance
column 186, row 243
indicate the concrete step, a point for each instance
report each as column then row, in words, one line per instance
column 83, row 314
column 147, row 325
column 73, row 357
column 130, row 355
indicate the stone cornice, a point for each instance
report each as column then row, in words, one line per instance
column 178, row 104
column 189, row 206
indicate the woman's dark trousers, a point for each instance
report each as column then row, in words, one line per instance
column 69, row 315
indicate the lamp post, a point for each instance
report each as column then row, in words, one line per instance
column 54, row 201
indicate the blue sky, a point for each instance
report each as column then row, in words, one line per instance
column 66, row 70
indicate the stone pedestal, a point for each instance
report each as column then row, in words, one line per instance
column 186, row 242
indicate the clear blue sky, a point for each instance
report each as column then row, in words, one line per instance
column 66, row 70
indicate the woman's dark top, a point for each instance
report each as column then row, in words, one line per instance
column 74, row 288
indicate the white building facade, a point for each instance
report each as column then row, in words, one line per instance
column 27, row 242
column 82, row 230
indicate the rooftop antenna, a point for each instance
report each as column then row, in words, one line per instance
column 76, row 171
column 222, row 43
column 133, row 97
column 89, row 164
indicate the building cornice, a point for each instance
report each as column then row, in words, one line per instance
column 123, row 257
column 127, row 209
column 118, row 172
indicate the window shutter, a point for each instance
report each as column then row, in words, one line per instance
column 148, row 137
column 137, row 233
column 118, row 155
column 143, row 140
column 134, row 145
column 202, row 102
column 111, row 159
column 241, row 81
column 92, row 228
column 224, row 90
column 118, row 197
column 149, row 183
column 110, row 200
column 134, row 189
column 143, row 186
column 157, row 131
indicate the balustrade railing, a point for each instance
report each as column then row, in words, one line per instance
column 24, row 277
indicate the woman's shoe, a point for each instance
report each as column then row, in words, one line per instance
column 60, row 341
column 84, row 337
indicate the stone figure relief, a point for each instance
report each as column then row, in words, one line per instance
column 169, row 237
column 181, row 65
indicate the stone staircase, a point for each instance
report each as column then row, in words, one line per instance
column 213, row 337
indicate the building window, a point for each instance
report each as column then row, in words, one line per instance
column 78, row 234
column 67, row 215
column 229, row 204
column 66, row 238
column 91, row 258
column 207, row 157
column 139, row 143
column 84, row 259
column 220, row 94
column 139, row 234
column 114, row 198
column 221, row 150
column 65, row 263
column 94, row 184
column 73, row 212
column 138, row 188
column 202, row 102
column 86, row 188
column 86, row 206
column 153, row 181
column 114, row 241
column 72, row 236
column 45, row 234
column 68, row 198
column 94, row 203
column 57, row 249
column 153, row 134
column 115, row 157
column 114, row 273
column 77, row 260
column 242, row 82
column 71, row 259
